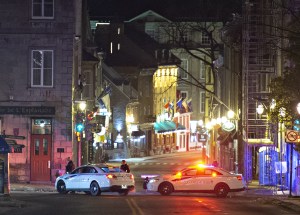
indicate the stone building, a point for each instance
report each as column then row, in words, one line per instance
column 36, row 40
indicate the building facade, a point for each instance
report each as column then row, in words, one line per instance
column 36, row 84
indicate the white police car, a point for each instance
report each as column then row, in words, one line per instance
column 94, row 179
column 199, row 178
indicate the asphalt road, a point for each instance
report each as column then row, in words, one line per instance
column 113, row 204
column 141, row 202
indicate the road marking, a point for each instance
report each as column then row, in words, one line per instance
column 134, row 207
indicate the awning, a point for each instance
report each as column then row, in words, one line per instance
column 14, row 145
column 167, row 126
column 137, row 133
column 4, row 147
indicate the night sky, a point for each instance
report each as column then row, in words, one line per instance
column 172, row 9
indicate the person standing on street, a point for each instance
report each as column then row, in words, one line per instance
column 124, row 166
column 70, row 165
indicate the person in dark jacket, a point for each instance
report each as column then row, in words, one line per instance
column 70, row 165
column 124, row 166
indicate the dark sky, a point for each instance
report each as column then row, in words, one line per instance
column 126, row 9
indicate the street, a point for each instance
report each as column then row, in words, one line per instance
column 141, row 202
column 113, row 204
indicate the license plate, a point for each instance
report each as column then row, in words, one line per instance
column 123, row 186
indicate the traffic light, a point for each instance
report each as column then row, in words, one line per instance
column 296, row 125
column 79, row 121
column 79, row 127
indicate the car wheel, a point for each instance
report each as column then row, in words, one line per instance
column 95, row 189
column 61, row 187
column 165, row 188
column 221, row 190
column 123, row 192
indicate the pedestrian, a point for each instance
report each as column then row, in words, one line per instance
column 146, row 181
column 124, row 166
column 70, row 165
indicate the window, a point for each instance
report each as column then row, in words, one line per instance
column 42, row 68
column 205, row 38
column 184, row 69
column 184, row 94
column 202, row 69
column 150, row 32
column 202, row 102
column 42, row 9
column 191, row 172
column 263, row 79
column 185, row 36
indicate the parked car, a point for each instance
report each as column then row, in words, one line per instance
column 199, row 178
column 94, row 179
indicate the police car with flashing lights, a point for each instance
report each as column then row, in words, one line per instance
column 94, row 179
column 199, row 178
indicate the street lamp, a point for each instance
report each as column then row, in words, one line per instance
column 260, row 109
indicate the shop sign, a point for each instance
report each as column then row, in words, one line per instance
column 27, row 110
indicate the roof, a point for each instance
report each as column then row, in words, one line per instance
column 146, row 14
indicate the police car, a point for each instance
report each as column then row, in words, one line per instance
column 198, row 178
column 94, row 179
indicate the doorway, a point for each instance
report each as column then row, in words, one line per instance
column 40, row 157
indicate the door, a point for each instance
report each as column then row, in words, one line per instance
column 40, row 153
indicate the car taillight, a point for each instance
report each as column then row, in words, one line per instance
column 131, row 176
column 239, row 177
column 110, row 176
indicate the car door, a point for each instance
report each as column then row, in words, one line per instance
column 206, row 179
column 186, row 181
column 88, row 173
column 73, row 179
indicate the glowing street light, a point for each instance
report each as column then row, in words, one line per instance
column 260, row 109
column 82, row 106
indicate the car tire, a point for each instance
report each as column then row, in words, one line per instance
column 61, row 187
column 165, row 188
column 123, row 192
column 221, row 190
column 95, row 189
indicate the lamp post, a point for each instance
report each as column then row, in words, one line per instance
column 282, row 113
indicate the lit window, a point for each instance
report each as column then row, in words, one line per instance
column 119, row 46
column 111, row 47
column 42, row 9
column 119, row 30
column 42, row 68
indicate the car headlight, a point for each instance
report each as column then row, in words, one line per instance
column 153, row 180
